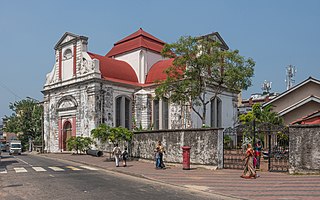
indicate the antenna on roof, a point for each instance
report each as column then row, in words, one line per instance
column 291, row 71
column 266, row 86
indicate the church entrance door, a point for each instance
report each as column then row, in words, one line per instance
column 67, row 132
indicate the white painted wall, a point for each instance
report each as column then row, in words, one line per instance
column 133, row 59
column 67, row 64
column 151, row 59
column 229, row 111
column 141, row 61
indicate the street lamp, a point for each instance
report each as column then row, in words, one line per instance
column 41, row 121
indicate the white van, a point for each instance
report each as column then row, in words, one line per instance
column 15, row 147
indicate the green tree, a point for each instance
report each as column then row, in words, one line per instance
column 261, row 115
column 26, row 120
column 199, row 64
column 79, row 144
column 106, row 133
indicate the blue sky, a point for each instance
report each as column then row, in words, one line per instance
column 274, row 33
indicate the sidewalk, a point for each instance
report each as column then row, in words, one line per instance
column 222, row 182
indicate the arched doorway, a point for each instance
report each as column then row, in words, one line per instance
column 67, row 133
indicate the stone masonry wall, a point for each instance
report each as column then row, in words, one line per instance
column 206, row 145
column 304, row 149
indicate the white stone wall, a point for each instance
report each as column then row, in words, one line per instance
column 88, row 116
column 142, row 109
column 141, row 61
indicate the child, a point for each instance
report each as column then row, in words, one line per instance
column 124, row 157
column 157, row 157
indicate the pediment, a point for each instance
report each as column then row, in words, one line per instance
column 67, row 103
column 67, row 38
column 215, row 36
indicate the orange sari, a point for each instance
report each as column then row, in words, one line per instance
column 249, row 171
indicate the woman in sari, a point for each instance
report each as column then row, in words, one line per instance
column 249, row 171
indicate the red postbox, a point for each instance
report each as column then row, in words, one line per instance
column 186, row 157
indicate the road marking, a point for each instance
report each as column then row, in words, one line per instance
column 73, row 168
column 87, row 167
column 57, row 169
column 20, row 170
column 39, row 169
column 24, row 161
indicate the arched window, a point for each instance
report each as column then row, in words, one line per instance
column 156, row 117
column 216, row 112
column 160, row 114
column 123, row 112
column 67, row 54
column 165, row 113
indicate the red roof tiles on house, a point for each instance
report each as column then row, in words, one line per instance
column 139, row 39
column 115, row 69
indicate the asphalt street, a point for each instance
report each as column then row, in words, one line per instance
column 34, row 177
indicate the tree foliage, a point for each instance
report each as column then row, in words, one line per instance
column 199, row 64
column 26, row 119
column 79, row 144
column 106, row 133
column 262, row 115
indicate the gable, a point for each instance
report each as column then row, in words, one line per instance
column 300, row 110
column 306, row 89
column 68, row 38
column 315, row 101
column 215, row 36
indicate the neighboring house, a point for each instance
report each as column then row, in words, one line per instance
column 298, row 102
column 85, row 89
column 246, row 104
column 313, row 118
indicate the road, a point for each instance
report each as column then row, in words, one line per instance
column 34, row 177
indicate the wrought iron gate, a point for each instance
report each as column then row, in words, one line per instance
column 275, row 145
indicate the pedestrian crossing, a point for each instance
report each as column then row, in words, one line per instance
column 45, row 169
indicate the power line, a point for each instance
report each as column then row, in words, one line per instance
column 9, row 90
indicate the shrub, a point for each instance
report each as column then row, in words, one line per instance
column 79, row 144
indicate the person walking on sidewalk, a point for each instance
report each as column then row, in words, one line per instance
column 257, row 151
column 157, row 158
column 124, row 157
column 249, row 171
column 161, row 152
column 116, row 153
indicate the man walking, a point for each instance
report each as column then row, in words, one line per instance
column 116, row 153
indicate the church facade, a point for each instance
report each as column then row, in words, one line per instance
column 85, row 89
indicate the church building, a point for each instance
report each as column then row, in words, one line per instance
column 85, row 89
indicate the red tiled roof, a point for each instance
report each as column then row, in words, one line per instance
column 115, row 69
column 136, row 40
column 313, row 118
column 157, row 71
